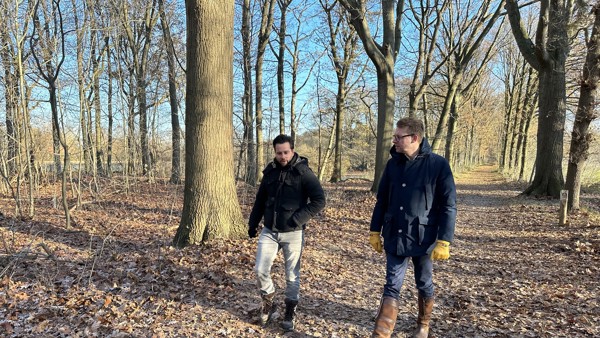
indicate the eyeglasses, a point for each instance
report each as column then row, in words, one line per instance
column 399, row 137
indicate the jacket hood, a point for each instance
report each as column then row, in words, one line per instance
column 424, row 149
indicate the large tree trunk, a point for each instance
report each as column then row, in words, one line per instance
column 587, row 111
column 547, row 56
column 548, row 178
column 386, row 97
column 210, row 208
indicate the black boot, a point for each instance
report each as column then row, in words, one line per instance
column 290, row 310
column 267, row 309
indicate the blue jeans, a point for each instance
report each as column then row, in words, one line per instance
column 269, row 243
column 396, row 269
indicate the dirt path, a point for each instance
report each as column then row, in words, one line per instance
column 513, row 272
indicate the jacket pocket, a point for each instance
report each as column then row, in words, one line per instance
column 427, row 232
column 284, row 215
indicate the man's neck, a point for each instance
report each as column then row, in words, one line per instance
column 412, row 155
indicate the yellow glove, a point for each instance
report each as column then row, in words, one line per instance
column 441, row 250
column 375, row 240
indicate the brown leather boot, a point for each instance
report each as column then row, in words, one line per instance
column 425, row 308
column 386, row 318
column 267, row 309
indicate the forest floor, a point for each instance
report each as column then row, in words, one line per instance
column 513, row 271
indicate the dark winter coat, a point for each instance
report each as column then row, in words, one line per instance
column 416, row 203
column 287, row 196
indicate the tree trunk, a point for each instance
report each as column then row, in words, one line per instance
column 452, row 122
column 386, row 97
column 210, row 208
column 175, row 130
column 548, row 178
column 266, row 23
column 383, row 57
column 530, row 113
column 283, row 5
column 581, row 138
column 248, row 120
column 548, row 56
column 109, row 104
column 336, row 176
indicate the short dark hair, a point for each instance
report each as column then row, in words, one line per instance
column 281, row 139
column 412, row 125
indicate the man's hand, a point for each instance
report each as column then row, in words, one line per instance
column 252, row 232
column 441, row 250
column 375, row 240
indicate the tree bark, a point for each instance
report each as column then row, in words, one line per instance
column 547, row 56
column 384, row 58
column 210, row 208
column 581, row 138
column 266, row 23
column 175, row 130
column 248, row 119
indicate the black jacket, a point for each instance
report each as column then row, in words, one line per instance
column 287, row 196
column 416, row 203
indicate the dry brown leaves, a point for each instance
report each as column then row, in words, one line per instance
column 513, row 271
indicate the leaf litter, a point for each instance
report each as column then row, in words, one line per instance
column 513, row 271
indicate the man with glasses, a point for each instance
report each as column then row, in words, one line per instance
column 415, row 214
column 289, row 195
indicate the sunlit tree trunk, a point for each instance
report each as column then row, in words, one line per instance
column 248, row 103
column 210, row 207
column 587, row 111
column 266, row 23
column 547, row 54
column 175, row 130
column 383, row 56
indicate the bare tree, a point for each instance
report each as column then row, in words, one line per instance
column 48, row 32
column 175, row 130
column 280, row 56
column 587, row 111
column 266, row 23
column 342, row 51
column 210, row 208
column 547, row 54
column 464, row 33
column 383, row 57
column 138, row 34
column 427, row 18
column 248, row 146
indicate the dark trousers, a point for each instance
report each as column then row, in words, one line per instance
column 396, row 269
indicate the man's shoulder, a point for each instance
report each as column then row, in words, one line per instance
column 436, row 158
column 302, row 167
column 269, row 167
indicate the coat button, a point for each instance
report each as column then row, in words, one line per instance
column 401, row 208
column 404, row 184
column 399, row 231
